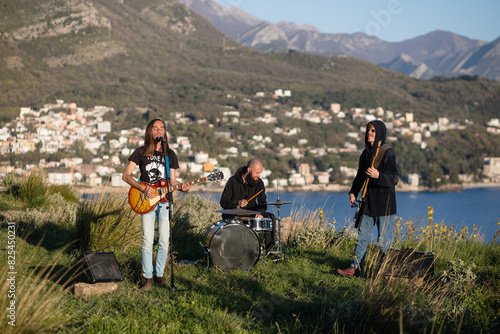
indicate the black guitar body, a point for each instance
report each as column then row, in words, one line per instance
column 359, row 212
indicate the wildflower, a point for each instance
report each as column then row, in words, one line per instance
column 498, row 232
column 397, row 227
column 429, row 213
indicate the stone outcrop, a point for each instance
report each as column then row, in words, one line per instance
column 96, row 289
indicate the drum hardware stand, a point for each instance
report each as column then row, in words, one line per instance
column 207, row 252
column 261, row 258
column 280, row 247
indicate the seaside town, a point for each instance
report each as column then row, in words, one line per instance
column 60, row 125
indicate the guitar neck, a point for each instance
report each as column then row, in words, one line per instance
column 179, row 185
column 373, row 161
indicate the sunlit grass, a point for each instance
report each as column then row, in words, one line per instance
column 107, row 222
column 301, row 294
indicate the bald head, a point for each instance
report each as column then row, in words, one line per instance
column 254, row 169
column 253, row 163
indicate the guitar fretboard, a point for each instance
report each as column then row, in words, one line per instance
column 179, row 186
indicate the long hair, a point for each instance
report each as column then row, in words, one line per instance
column 149, row 141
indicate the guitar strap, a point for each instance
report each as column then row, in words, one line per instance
column 380, row 155
column 167, row 167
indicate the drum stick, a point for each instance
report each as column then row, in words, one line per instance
column 251, row 198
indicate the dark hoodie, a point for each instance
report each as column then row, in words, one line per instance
column 381, row 194
column 236, row 190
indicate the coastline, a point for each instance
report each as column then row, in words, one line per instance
column 212, row 188
column 344, row 188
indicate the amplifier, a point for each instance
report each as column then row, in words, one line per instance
column 409, row 263
column 95, row 267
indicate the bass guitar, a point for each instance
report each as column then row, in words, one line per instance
column 362, row 202
column 142, row 204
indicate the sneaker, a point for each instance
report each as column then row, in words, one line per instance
column 349, row 272
column 161, row 280
column 147, row 283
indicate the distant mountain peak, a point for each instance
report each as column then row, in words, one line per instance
column 441, row 51
column 293, row 27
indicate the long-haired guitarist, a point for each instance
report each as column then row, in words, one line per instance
column 152, row 160
column 377, row 169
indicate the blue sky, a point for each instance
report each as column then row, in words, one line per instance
column 389, row 20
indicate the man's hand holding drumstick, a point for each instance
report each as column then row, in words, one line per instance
column 244, row 202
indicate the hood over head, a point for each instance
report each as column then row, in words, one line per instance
column 380, row 134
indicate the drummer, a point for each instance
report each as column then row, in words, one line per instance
column 246, row 190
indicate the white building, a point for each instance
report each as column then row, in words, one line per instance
column 491, row 168
column 335, row 107
column 280, row 183
column 323, row 177
column 296, row 179
column 116, row 180
column 493, row 126
column 413, row 180
column 201, row 157
column 61, row 178
column 104, row 127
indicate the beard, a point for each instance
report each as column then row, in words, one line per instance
column 252, row 182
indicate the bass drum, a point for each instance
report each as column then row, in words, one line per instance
column 232, row 246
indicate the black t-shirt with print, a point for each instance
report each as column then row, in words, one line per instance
column 153, row 169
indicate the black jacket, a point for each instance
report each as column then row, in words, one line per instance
column 235, row 190
column 381, row 193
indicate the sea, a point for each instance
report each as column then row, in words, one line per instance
column 479, row 206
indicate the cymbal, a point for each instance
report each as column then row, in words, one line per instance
column 238, row 212
column 278, row 203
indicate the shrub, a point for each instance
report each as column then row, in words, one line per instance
column 195, row 215
column 34, row 189
column 307, row 230
column 67, row 192
column 107, row 221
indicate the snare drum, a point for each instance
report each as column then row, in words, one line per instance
column 258, row 224
column 232, row 246
column 233, row 220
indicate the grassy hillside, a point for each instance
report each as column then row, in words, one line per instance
column 300, row 293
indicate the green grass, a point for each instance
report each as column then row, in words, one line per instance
column 298, row 295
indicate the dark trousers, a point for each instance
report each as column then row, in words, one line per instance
column 269, row 236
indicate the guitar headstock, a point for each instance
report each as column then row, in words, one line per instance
column 215, row 176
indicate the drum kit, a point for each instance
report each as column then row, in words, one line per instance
column 235, row 243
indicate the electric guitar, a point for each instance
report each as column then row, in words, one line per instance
column 142, row 204
column 362, row 202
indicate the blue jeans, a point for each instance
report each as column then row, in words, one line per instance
column 159, row 213
column 365, row 230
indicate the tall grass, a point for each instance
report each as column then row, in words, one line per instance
column 31, row 298
column 301, row 295
column 107, row 222
column 34, row 190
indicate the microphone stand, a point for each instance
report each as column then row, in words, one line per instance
column 170, row 219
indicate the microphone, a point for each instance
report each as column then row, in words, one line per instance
column 160, row 138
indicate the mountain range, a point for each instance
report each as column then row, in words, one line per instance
column 438, row 53
column 149, row 57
